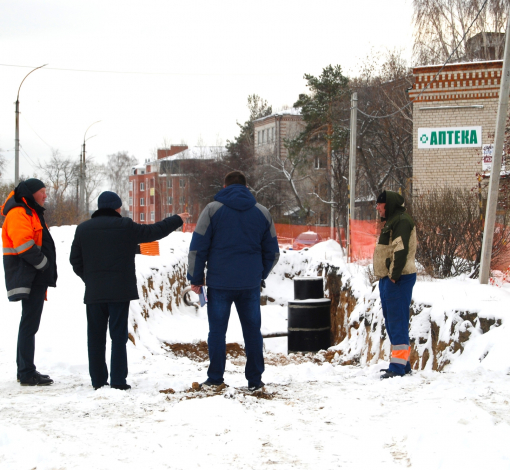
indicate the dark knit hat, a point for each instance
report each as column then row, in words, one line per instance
column 34, row 185
column 381, row 199
column 109, row 200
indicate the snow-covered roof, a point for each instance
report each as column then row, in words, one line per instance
column 198, row 152
column 459, row 63
column 283, row 112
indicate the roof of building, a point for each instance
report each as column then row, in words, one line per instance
column 198, row 152
column 284, row 112
column 456, row 64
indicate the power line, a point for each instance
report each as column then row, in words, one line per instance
column 26, row 155
column 149, row 73
column 33, row 130
column 50, row 146
column 437, row 74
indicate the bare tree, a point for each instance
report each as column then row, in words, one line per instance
column 60, row 175
column 94, row 179
column 117, row 174
column 2, row 162
column 385, row 145
column 440, row 27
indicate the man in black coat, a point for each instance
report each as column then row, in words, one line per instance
column 103, row 255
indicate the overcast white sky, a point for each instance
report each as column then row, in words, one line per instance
column 200, row 60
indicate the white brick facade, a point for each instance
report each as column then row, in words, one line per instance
column 463, row 95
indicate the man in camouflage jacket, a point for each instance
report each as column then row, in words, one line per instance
column 394, row 266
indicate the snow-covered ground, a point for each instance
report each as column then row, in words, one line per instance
column 312, row 414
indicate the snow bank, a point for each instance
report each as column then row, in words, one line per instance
column 456, row 323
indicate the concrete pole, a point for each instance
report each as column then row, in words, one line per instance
column 16, row 137
column 352, row 171
column 16, row 147
column 82, row 180
column 492, row 201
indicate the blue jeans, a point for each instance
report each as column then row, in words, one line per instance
column 396, row 302
column 247, row 302
column 98, row 317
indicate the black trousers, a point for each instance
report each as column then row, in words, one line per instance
column 98, row 317
column 31, row 311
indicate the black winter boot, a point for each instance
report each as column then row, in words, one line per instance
column 389, row 375
column 37, row 380
column 121, row 387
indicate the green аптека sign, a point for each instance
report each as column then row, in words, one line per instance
column 449, row 137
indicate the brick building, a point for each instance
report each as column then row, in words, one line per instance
column 269, row 145
column 452, row 120
column 162, row 187
column 271, row 131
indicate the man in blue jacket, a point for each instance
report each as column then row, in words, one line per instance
column 236, row 238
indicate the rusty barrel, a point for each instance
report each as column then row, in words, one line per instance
column 309, row 325
column 308, row 288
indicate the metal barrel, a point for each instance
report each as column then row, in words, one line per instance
column 308, row 288
column 309, row 325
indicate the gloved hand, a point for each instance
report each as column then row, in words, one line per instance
column 262, row 283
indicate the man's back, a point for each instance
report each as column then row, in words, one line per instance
column 237, row 239
column 103, row 253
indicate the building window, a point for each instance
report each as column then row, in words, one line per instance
column 169, row 183
column 168, row 214
column 263, row 136
column 319, row 163
column 130, row 214
column 142, row 186
column 130, row 201
column 131, row 186
column 182, row 183
column 152, row 215
column 142, row 201
column 170, row 200
column 142, row 217
column 258, row 138
column 181, row 200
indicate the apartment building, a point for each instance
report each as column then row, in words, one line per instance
column 163, row 187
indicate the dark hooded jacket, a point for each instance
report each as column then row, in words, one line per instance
column 28, row 248
column 236, row 238
column 103, row 253
column 396, row 249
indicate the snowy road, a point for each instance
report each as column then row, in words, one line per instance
column 320, row 416
column 312, row 416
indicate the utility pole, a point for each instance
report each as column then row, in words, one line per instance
column 16, row 135
column 352, row 172
column 82, row 179
column 83, row 168
column 492, row 201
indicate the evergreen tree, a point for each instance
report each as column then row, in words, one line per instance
column 241, row 152
column 324, row 111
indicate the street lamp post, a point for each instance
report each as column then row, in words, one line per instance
column 82, row 169
column 16, row 138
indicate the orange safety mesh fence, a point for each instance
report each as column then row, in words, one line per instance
column 188, row 228
column 149, row 249
column 364, row 234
